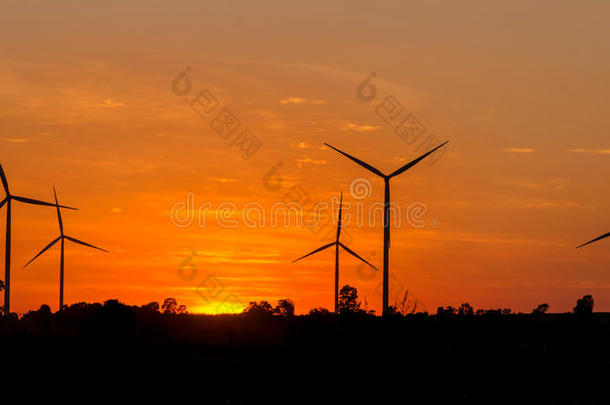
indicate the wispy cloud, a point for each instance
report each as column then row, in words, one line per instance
column 599, row 151
column 222, row 180
column 310, row 161
column 360, row 128
column 223, row 256
column 532, row 185
column 519, row 150
column 300, row 145
column 480, row 238
column 557, row 204
column 14, row 140
column 407, row 93
column 301, row 100
column 109, row 103
column 106, row 103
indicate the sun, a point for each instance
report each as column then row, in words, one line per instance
column 217, row 308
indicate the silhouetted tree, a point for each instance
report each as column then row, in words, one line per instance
column 318, row 311
column 446, row 312
column 45, row 310
column 584, row 306
column 151, row 306
column 285, row 308
column 348, row 300
column 259, row 308
column 83, row 306
column 37, row 323
column 170, row 306
column 43, row 313
column 541, row 309
column 465, row 310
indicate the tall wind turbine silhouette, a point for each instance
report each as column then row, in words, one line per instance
column 386, row 211
column 8, row 199
column 594, row 240
column 337, row 244
column 62, row 237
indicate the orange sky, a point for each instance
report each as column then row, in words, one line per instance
column 520, row 90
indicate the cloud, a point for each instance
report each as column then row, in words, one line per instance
column 532, row 185
column 117, row 210
column 310, row 161
column 519, row 150
column 470, row 237
column 407, row 93
column 109, row 103
column 557, row 205
column 599, row 151
column 300, row 145
column 301, row 100
column 224, row 256
column 525, row 184
column 359, row 128
column 14, row 140
column 222, row 180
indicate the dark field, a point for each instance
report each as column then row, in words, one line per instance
column 262, row 358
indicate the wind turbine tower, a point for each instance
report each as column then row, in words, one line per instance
column 61, row 238
column 386, row 210
column 8, row 199
column 337, row 244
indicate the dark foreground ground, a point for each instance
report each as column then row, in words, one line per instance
column 119, row 352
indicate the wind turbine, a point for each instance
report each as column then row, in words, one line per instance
column 62, row 237
column 337, row 244
column 8, row 199
column 594, row 240
column 386, row 211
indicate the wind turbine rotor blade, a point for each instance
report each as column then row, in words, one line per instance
column 360, row 162
column 4, row 181
column 351, row 252
column 32, row 201
column 44, row 250
column 316, row 251
column 3, row 202
column 38, row 202
column 416, row 161
column 80, row 242
column 61, row 223
column 594, row 240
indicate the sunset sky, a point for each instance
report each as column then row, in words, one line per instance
column 521, row 90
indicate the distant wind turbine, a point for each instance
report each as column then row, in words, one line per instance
column 595, row 240
column 8, row 199
column 386, row 211
column 337, row 244
column 61, row 238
